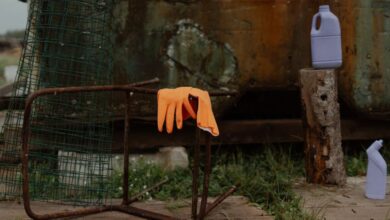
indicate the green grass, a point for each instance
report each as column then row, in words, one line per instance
column 356, row 158
column 265, row 178
column 356, row 164
column 266, row 175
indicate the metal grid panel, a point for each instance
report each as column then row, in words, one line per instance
column 67, row 44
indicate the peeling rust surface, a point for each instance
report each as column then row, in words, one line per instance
column 244, row 43
column 365, row 76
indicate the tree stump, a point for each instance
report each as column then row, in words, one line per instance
column 324, row 160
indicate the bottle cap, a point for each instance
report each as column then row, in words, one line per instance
column 324, row 8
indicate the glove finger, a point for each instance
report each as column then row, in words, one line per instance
column 170, row 117
column 205, row 109
column 161, row 113
column 213, row 124
column 202, row 116
column 179, row 115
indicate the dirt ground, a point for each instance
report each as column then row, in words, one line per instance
column 234, row 207
column 347, row 203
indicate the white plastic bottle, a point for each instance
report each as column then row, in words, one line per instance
column 326, row 49
column 376, row 172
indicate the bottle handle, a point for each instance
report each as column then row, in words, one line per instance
column 314, row 21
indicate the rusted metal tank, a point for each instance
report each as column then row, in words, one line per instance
column 241, row 44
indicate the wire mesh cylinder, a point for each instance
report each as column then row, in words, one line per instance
column 67, row 44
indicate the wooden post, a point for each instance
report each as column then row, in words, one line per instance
column 324, row 161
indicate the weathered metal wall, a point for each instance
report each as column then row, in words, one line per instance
column 365, row 77
column 236, row 44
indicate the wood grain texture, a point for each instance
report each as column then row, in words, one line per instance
column 321, row 122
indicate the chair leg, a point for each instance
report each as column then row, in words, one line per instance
column 220, row 199
column 195, row 175
column 206, row 178
column 125, row 186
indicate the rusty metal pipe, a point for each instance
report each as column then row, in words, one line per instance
column 221, row 198
column 206, row 177
column 25, row 150
column 65, row 214
column 134, row 87
column 75, row 89
column 135, row 197
column 195, row 175
column 120, row 208
column 126, row 152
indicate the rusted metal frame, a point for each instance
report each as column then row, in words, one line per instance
column 135, row 197
column 220, row 199
column 4, row 101
column 204, row 208
column 85, row 211
column 134, row 87
column 80, row 212
column 195, row 175
column 206, row 177
column 25, row 154
column 125, row 88
column 125, row 186
column 125, row 199
column 88, row 211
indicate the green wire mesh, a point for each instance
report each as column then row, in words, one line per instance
column 67, row 44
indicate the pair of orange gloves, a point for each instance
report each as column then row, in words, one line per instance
column 182, row 103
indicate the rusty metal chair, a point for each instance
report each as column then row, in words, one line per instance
column 125, row 206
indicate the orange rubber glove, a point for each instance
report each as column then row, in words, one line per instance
column 170, row 102
column 205, row 117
